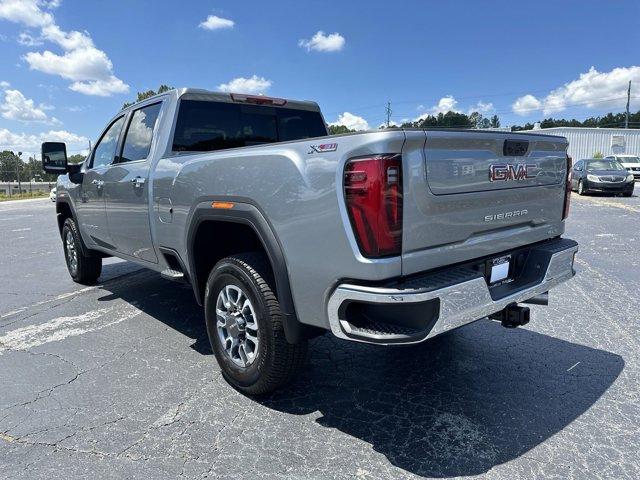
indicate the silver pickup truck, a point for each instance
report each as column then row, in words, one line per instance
column 386, row 237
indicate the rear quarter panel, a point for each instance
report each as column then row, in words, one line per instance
column 299, row 193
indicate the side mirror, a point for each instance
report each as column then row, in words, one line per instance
column 54, row 157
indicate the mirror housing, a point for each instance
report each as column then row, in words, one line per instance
column 54, row 157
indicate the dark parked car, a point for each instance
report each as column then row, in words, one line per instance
column 601, row 175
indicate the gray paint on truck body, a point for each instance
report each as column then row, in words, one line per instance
column 299, row 193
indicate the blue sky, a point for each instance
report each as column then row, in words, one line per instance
column 68, row 65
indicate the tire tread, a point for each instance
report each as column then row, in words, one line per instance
column 287, row 358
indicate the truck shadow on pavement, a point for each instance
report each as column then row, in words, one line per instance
column 455, row 406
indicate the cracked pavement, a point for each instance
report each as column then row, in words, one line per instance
column 118, row 380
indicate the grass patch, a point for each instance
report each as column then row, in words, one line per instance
column 21, row 196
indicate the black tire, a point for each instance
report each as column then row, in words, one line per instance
column 581, row 190
column 276, row 361
column 86, row 269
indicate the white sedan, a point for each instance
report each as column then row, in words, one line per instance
column 630, row 162
column 52, row 194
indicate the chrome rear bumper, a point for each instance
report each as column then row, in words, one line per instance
column 463, row 296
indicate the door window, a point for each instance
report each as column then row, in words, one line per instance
column 105, row 150
column 137, row 141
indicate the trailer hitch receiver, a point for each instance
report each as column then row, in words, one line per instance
column 512, row 316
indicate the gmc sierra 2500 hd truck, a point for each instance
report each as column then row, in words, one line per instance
column 386, row 237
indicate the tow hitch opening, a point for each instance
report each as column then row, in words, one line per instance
column 512, row 316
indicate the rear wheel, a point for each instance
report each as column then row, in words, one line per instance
column 244, row 324
column 581, row 190
column 82, row 268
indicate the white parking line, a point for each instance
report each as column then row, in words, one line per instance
column 43, row 302
column 61, row 328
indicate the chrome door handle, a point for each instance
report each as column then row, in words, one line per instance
column 138, row 181
column 97, row 183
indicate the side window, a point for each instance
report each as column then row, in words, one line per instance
column 579, row 165
column 105, row 150
column 137, row 141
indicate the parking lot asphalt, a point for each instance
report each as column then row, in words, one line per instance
column 118, row 380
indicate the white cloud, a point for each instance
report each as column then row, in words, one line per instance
column 351, row 121
column 526, row 104
column 31, row 142
column 27, row 40
column 320, row 42
column 214, row 22
column 444, row 105
column 481, row 107
column 26, row 12
column 592, row 89
column 4, row 84
column 253, row 85
column 101, row 88
column 89, row 68
column 17, row 107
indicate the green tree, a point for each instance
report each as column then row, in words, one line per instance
column 10, row 166
column 338, row 129
column 442, row 120
column 495, row 121
column 598, row 155
column 609, row 120
column 149, row 93
column 77, row 158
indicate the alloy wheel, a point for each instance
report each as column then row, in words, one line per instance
column 237, row 325
column 72, row 253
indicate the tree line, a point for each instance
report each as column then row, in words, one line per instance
column 477, row 120
column 13, row 167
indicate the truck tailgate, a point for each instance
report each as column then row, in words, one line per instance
column 470, row 194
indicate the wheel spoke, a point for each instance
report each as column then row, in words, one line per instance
column 239, row 300
column 243, row 354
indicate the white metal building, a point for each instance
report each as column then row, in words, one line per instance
column 584, row 142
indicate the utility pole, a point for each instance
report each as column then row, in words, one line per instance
column 388, row 110
column 626, row 119
column 18, row 162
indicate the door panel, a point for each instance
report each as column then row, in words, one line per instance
column 127, row 187
column 127, row 198
column 91, row 209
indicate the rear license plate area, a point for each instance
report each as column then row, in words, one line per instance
column 498, row 270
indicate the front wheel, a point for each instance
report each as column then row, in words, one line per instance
column 244, row 325
column 581, row 190
column 82, row 268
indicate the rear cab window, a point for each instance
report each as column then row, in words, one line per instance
column 204, row 126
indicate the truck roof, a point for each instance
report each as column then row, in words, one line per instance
column 210, row 95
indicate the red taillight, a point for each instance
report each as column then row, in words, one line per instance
column 373, row 193
column 567, row 191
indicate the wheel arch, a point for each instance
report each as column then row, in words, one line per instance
column 242, row 218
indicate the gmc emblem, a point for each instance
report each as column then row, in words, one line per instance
column 508, row 171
